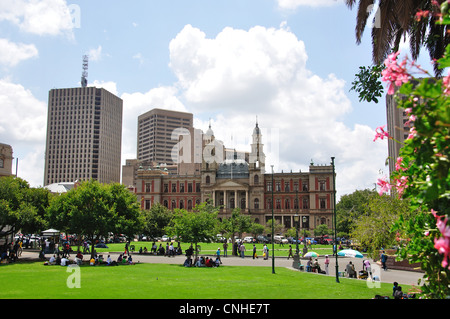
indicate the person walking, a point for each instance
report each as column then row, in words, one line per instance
column 254, row 252
column 225, row 247
column 327, row 264
column 290, row 252
column 383, row 260
column 242, row 250
column 265, row 252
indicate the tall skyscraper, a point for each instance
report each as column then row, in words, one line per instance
column 84, row 135
column 157, row 134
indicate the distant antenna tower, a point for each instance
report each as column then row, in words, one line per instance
column 85, row 71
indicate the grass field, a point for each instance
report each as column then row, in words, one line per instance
column 211, row 248
column 33, row 280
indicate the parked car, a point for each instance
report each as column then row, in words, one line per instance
column 263, row 239
column 280, row 240
column 248, row 239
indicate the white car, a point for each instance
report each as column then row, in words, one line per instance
column 280, row 239
column 248, row 240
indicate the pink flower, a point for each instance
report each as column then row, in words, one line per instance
column 381, row 133
column 401, row 185
column 395, row 74
column 442, row 244
column 446, row 83
column 412, row 133
column 398, row 164
column 385, row 186
column 422, row 14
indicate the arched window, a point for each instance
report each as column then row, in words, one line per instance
column 287, row 204
column 173, row 204
column 208, row 180
column 242, row 203
column 181, row 204
column 269, row 203
column 256, row 179
column 278, row 204
column 166, row 203
column 295, row 203
column 189, row 205
column 256, row 203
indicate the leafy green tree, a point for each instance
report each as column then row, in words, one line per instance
column 198, row 225
column 22, row 208
column 277, row 227
column 236, row 224
column 373, row 230
column 155, row 220
column 349, row 208
column 322, row 230
column 92, row 210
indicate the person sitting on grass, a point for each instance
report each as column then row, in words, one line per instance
column 208, row 262
column 52, row 260
column 188, row 262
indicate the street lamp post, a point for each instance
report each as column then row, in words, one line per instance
column 273, row 222
column 296, row 263
column 335, row 222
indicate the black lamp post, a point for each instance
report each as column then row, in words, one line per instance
column 273, row 222
column 297, row 225
column 335, row 223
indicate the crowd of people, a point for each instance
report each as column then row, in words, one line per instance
column 169, row 251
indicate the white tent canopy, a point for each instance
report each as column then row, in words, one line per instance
column 51, row 232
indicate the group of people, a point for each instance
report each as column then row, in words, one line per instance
column 169, row 251
column 63, row 260
column 202, row 262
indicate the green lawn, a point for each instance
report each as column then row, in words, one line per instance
column 26, row 280
column 211, row 248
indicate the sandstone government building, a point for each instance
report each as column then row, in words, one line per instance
column 207, row 171
column 176, row 164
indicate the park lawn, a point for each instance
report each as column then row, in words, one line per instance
column 211, row 248
column 33, row 280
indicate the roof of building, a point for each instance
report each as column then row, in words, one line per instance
column 237, row 168
column 60, row 187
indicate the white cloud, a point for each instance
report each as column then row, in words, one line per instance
column 13, row 53
column 95, row 54
column 293, row 4
column 24, row 129
column 27, row 116
column 263, row 72
column 44, row 17
column 108, row 85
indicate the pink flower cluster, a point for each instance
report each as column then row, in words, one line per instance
column 381, row 133
column 442, row 244
column 395, row 74
column 446, row 82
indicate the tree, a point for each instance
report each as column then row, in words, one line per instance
column 156, row 219
column 194, row 226
column 322, row 230
column 277, row 227
column 350, row 207
column 21, row 207
column 236, row 224
column 93, row 210
column 396, row 20
column 373, row 230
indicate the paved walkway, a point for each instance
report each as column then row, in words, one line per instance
column 389, row 276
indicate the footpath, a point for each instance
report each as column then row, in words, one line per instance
column 403, row 277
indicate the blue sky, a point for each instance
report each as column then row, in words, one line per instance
column 288, row 63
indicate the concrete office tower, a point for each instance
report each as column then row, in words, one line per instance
column 6, row 160
column 157, row 135
column 84, row 135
